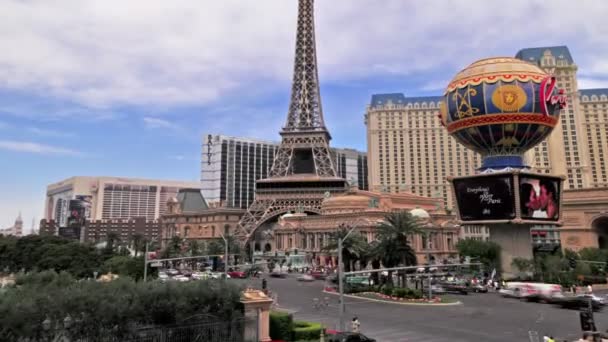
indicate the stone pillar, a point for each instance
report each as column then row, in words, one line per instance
column 515, row 242
column 257, row 314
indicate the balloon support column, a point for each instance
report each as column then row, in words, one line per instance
column 515, row 242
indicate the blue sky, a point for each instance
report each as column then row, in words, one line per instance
column 127, row 88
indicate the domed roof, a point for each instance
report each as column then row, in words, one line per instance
column 346, row 202
column 420, row 213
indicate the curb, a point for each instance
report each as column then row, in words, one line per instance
column 394, row 302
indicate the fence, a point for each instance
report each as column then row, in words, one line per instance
column 199, row 331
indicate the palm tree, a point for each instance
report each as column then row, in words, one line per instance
column 352, row 247
column 194, row 247
column 137, row 240
column 112, row 240
column 394, row 234
column 215, row 248
column 372, row 254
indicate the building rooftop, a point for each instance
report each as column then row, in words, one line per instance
column 122, row 180
column 400, row 99
column 191, row 201
column 534, row 54
column 597, row 92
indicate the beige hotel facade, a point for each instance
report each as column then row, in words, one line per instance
column 410, row 151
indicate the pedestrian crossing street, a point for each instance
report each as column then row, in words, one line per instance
column 387, row 334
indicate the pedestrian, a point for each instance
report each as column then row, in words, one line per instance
column 589, row 289
column 355, row 324
column 264, row 284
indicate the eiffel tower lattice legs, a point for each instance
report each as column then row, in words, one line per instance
column 261, row 210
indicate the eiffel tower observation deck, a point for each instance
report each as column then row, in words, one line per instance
column 303, row 173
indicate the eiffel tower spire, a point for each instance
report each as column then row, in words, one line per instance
column 305, row 144
column 305, row 110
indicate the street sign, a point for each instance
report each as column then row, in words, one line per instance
column 156, row 264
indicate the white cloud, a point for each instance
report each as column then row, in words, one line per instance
column 154, row 52
column 32, row 147
column 48, row 132
column 587, row 83
column 151, row 122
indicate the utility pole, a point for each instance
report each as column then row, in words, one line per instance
column 225, row 256
column 340, row 273
column 146, row 262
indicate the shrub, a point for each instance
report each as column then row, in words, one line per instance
column 281, row 326
column 307, row 331
column 400, row 292
column 118, row 306
column 414, row 294
column 387, row 290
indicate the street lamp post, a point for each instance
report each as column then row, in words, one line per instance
column 340, row 272
column 146, row 262
column 225, row 256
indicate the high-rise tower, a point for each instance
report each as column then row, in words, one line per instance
column 303, row 172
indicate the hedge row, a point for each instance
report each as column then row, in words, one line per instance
column 119, row 306
column 284, row 328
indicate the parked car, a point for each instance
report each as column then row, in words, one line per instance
column 318, row 275
column 455, row 287
column 172, row 272
column 349, row 337
column 581, row 301
column 181, row 278
column 237, row 274
column 278, row 275
column 162, row 276
column 479, row 288
column 306, row 277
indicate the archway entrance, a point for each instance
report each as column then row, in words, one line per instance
column 600, row 226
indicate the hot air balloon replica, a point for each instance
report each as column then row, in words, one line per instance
column 500, row 108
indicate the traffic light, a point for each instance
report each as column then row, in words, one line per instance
column 572, row 262
column 587, row 321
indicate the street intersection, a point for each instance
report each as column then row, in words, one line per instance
column 480, row 317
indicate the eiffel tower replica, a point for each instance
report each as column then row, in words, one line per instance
column 302, row 173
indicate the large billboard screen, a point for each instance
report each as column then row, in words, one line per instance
column 485, row 197
column 79, row 211
column 539, row 197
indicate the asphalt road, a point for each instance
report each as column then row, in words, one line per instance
column 481, row 317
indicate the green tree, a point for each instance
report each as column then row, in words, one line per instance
column 137, row 241
column 127, row 266
column 593, row 254
column 394, row 235
column 215, row 248
column 194, row 247
column 487, row 252
column 352, row 247
column 522, row 264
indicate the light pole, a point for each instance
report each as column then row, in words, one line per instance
column 146, row 262
column 225, row 256
column 340, row 272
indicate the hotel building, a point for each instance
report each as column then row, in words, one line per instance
column 111, row 197
column 231, row 165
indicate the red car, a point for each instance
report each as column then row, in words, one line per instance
column 237, row 274
column 318, row 275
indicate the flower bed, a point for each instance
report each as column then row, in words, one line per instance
column 376, row 295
